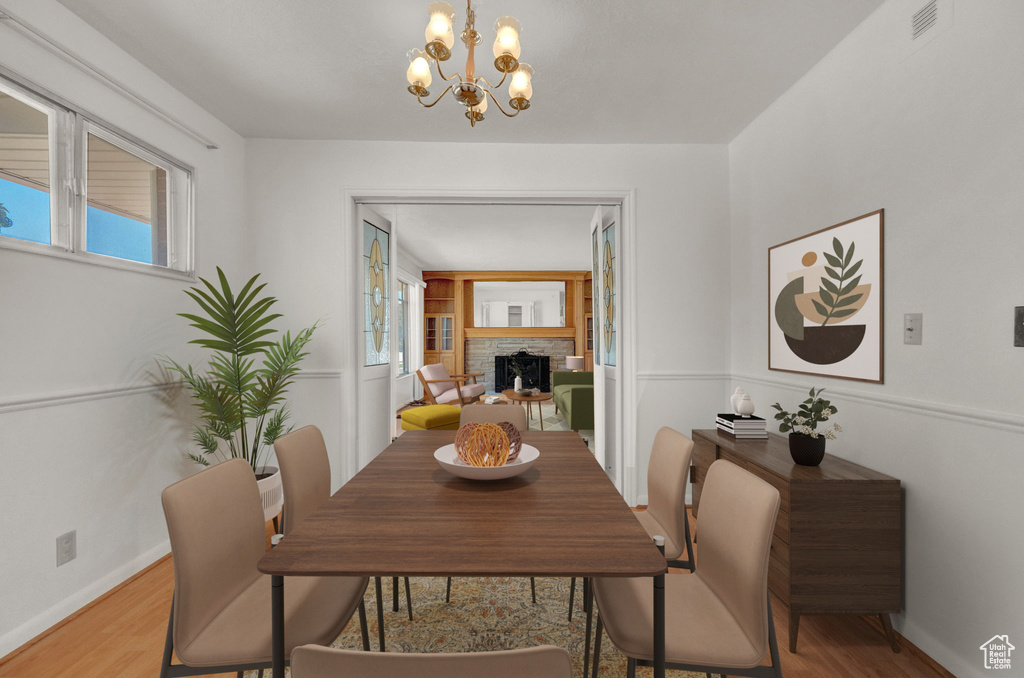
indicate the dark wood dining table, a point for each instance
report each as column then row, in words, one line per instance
column 403, row 515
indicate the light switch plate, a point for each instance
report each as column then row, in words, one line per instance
column 912, row 328
column 1018, row 326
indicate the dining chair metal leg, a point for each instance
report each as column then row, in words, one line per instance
column 572, row 595
column 597, row 645
column 169, row 644
column 631, row 668
column 394, row 594
column 408, row 598
column 773, row 644
column 380, row 614
column 448, row 592
column 533, row 590
column 363, row 630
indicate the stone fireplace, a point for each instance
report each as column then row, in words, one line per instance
column 481, row 354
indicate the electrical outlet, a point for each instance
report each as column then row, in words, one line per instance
column 1018, row 327
column 67, row 547
column 912, row 328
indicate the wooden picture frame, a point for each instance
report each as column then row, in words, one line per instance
column 825, row 301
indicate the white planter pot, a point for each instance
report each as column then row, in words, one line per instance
column 271, row 491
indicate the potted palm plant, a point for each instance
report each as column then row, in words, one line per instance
column 240, row 395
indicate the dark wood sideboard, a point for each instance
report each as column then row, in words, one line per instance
column 838, row 543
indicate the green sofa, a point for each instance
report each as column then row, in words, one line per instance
column 573, row 394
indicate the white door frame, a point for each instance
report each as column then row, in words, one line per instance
column 627, row 367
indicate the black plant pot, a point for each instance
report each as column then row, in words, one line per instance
column 805, row 450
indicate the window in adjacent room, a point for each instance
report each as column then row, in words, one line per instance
column 515, row 316
column 403, row 328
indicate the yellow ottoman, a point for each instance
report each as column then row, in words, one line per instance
column 431, row 418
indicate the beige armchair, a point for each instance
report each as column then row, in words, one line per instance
column 220, row 613
column 718, row 619
column 543, row 661
column 441, row 388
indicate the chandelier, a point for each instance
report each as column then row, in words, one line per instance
column 470, row 90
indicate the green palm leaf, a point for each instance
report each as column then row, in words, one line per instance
column 852, row 299
column 849, row 287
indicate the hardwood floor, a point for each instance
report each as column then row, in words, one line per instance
column 122, row 635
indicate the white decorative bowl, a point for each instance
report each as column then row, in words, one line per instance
column 449, row 460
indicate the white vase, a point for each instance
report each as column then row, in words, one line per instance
column 518, row 384
column 745, row 406
column 735, row 399
column 271, row 491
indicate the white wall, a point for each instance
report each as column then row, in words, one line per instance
column 681, row 241
column 88, row 439
column 936, row 138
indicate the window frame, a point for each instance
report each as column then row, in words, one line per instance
column 402, row 302
column 68, row 133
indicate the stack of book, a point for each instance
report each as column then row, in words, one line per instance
column 742, row 427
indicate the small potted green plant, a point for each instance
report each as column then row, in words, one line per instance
column 806, row 442
column 242, row 409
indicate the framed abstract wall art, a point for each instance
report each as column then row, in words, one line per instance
column 825, row 301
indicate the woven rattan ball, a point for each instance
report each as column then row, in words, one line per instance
column 515, row 441
column 482, row 444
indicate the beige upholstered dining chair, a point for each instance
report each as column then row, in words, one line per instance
column 667, row 472
column 220, row 613
column 306, row 482
column 718, row 619
column 494, row 414
column 543, row 661
column 441, row 388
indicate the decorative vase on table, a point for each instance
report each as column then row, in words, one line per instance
column 519, row 384
column 805, row 450
column 737, row 396
column 744, row 406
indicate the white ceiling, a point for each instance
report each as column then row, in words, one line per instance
column 607, row 71
column 495, row 237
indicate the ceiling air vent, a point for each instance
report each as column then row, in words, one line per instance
column 923, row 19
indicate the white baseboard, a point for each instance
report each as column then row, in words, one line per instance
column 11, row 641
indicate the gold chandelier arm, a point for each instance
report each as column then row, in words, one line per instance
column 507, row 115
column 441, row 73
column 419, row 99
column 500, row 83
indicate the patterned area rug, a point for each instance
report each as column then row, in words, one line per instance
column 487, row 613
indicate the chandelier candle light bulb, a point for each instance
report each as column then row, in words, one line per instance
column 418, row 75
column 471, row 90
